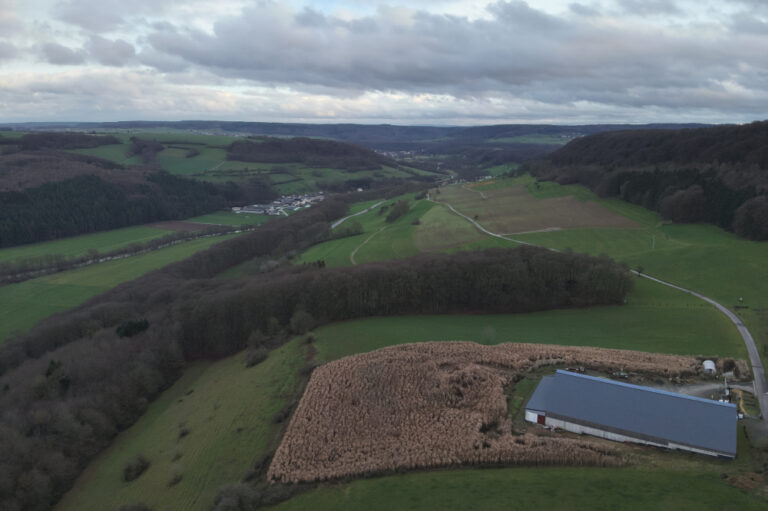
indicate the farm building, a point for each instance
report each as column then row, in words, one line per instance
column 631, row 413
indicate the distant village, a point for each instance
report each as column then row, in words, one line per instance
column 282, row 205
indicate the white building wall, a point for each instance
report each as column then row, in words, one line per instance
column 532, row 416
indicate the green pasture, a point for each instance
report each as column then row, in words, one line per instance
column 229, row 218
column 531, row 489
column 498, row 170
column 24, row 304
column 80, row 245
column 117, row 153
column 380, row 240
column 12, row 134
column 227, row 410
column 655, row 318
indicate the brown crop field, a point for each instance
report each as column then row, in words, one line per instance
column 439, row 404
column 511, row 210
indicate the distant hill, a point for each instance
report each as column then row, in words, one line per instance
column 713, row 174
column 48, row 193
column 733, row 145
column 308, row 151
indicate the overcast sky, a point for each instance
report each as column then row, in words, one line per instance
column 434, row 62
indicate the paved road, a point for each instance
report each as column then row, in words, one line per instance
column 754, row 356
column 477, row 225
column 342, row 220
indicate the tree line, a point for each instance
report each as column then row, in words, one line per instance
column 64, row 400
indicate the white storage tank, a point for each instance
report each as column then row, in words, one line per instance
column 709, row 367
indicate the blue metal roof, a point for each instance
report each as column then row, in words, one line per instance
column 642, row 412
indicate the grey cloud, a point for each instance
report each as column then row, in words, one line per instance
column 744, row 23
column 104, row 15
column 93, row 15
column 650, row 7
column 521, row 52
column 54, row 53
column 7, row 51
column 521, row 14
column 583, row 10
column 111, row 53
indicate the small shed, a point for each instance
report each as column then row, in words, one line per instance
column 709, row 367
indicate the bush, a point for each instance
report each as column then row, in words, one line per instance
column 139, row 506
column 135, row 467
column 256, row 356
column 400, row 208
column 237, row 497
column 131, row 328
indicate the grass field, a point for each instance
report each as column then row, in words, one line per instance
column 24, row 304
column 380, row 240
column 228, row 218
column 512, row 209
column 531, row 489
column 80, row 245
column 226, row 408
column 655, row 319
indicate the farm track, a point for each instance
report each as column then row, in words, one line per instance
column 361, row 245
column 759, row 382
column 366, row 210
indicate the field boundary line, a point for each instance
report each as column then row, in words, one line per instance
column 476, row 191
column 369, row 238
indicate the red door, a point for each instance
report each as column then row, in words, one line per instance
column 541, row 419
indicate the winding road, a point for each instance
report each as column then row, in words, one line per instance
column 366, row 210
column 758, row 370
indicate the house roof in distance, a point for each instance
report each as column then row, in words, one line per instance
column 641, row 412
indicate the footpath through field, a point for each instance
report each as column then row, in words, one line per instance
column 761, row 390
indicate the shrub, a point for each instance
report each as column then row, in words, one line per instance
column 256, row 356
column 131, row 328
column 135, row 467
column 400, row 208
column 139, row 506
column 237, row 497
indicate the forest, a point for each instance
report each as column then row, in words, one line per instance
column 88, row 203
column 64, row 401
column 717, row 174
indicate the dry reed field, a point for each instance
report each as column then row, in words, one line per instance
column 438, row 404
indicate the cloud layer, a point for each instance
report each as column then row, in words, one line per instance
column 626, row 61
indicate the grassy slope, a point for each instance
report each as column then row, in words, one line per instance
column 531, row 489
column 24, row 304
column 80, row 245
column 227, row 218
column 228, row 417
column 656, row 319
